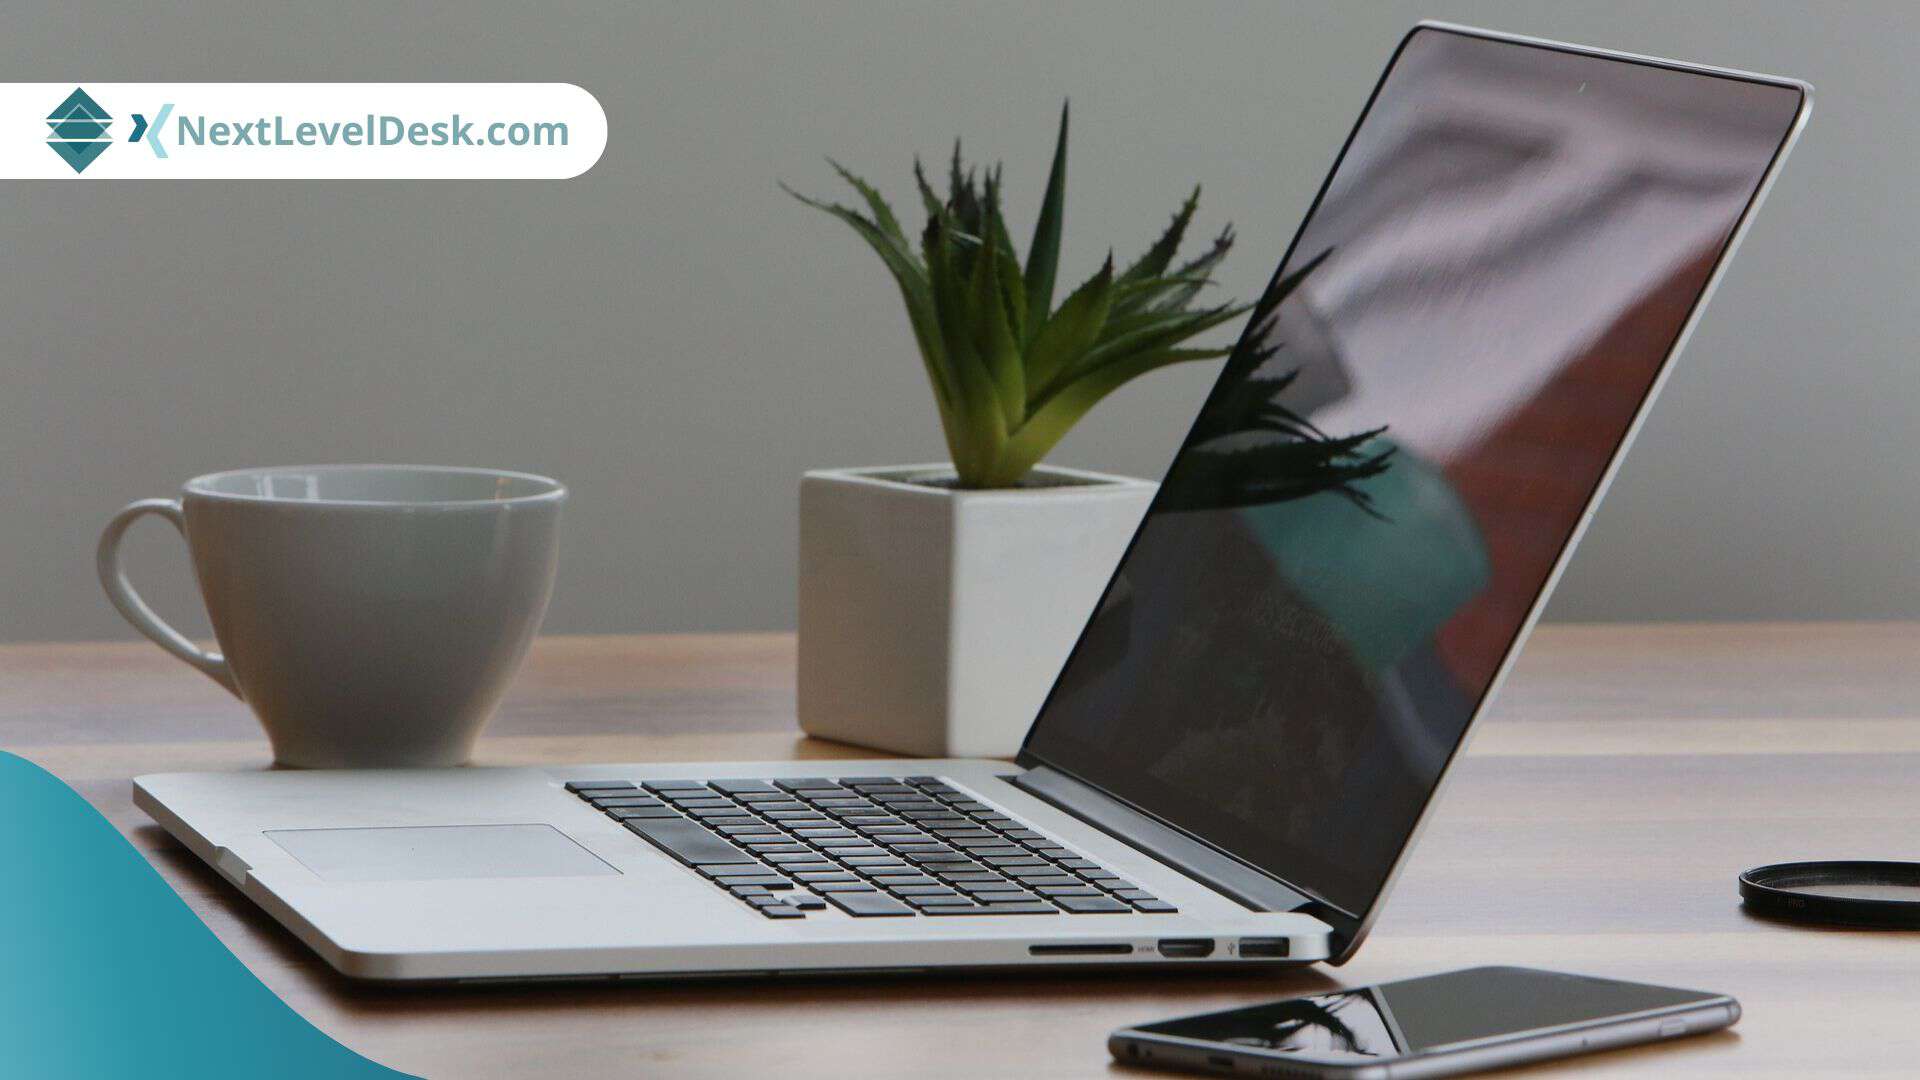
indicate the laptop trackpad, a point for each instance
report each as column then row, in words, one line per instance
column 437, row 853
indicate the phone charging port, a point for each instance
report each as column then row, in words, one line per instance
column 1262, row 948
column 1186, row 948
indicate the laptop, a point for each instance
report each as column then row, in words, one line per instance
column 1343, row 558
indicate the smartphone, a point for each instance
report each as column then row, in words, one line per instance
column 1440, row 1025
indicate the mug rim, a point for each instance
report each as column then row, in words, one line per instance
column 200, row 487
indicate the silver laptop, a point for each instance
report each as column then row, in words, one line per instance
column 1339, row 566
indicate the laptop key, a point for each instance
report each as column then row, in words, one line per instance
column 1026, row 908
column 986, row 852
column 737, row 787
column 1043, row 881
column 625, row 798
column 1090, row 905
column 998, row 885
column 783, row 912
column 765, row 879
column 808, row 903
column 824, row 887
column 684, row 840
column 642, row 812
column 741, row 864
column 801, row 861
column 673, row 785
column 927, row 903
column 867, row 904
column 951, row 867
column 1001, row 896
column 1155, row 907
column 931, row 888
column 584, row 787
column 1068, row 890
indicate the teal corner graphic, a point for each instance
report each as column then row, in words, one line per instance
column 79, row 130
column 106, row 973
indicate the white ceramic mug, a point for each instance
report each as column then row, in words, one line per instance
column 370, row 615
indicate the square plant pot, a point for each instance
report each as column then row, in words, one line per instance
column 933, row 621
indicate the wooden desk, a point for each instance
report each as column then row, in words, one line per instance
column 1628, row 774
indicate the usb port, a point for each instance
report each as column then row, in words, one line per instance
column 1186, row 947
column 1262, row 948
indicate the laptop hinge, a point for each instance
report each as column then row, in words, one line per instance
column 1223, row 873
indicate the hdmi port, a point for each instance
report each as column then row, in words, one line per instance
column 1186, row 948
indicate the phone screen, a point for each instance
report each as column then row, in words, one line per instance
column 1417, row 1015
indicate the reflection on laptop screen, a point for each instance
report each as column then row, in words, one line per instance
column 1379, row 486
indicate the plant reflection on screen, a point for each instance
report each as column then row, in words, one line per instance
column 1306, row 1024
column 1247, row 449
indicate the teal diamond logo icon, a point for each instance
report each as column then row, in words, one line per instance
column 79, row 130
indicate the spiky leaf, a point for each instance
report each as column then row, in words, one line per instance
column 1194, row 274
column 1156, row 259
column 993, row 340
column 1072, row 330
column 1043, row 255
column 916, row 294
column 1050, row 423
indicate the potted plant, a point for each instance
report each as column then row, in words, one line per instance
column 938, row 602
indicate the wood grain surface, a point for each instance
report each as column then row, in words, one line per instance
column 1625, row 777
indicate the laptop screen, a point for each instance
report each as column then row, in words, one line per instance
column 1408, row 434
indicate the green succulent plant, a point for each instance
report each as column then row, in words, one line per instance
column 1011, row 372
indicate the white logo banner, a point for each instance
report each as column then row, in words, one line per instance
column 291, row 131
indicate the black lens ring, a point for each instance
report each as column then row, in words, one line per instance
column 1777, row 891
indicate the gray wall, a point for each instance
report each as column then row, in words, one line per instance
column 677, row 339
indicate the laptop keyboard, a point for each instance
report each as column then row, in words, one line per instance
column 869, row 846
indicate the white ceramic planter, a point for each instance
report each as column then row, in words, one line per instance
column 933, row 621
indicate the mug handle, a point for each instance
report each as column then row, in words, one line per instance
column 113, row 578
